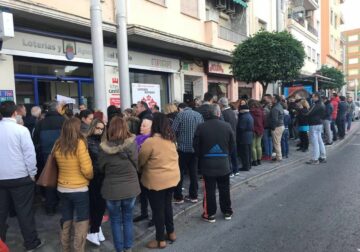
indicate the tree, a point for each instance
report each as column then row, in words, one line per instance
column 337, row 76
column 268, row 57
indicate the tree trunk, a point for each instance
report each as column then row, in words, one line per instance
column 264, row 86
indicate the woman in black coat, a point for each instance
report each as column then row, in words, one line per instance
column 97, row 203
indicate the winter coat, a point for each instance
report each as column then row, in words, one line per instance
column 267, row 116
column 316, row 113
column 205, row 111
column 245, row 128
column 277, row 116
column 259, row 120
column 213, row 142
column 342, row 110
column 94, row 149
column 351, row 108
column 328, row 110
column 335, row 103
column 302, row 117
column 119, row 163
column 159, row 164
column 230, row 117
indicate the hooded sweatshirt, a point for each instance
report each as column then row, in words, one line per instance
column 118, row 162
column 259, row 120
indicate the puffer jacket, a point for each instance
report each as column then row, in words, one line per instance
column 119, row 163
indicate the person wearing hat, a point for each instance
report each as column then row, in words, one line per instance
column 244, row 136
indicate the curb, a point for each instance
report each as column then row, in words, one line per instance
column 235, row 186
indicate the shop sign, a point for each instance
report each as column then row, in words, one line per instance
column 112, row 86
column 192, row 66
column 149, row 93
column 219, row 68
column 6, row 95
column 6, row 25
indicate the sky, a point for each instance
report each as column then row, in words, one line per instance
column 351, row 12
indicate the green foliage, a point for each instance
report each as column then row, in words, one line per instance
column 268, row 57
column 333, row 73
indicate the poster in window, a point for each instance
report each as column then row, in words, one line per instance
column 149, row 93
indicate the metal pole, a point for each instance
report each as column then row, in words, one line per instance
column 122, row 48
column 98, row 56
column 356, row 89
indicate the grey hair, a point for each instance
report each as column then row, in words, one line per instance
column 224, row 101
column 215, row 110
column 53, row 106
column 36, row 111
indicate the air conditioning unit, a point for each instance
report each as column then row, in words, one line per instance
column 231, row 9
column 221, row 4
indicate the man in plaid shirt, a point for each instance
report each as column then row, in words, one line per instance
column 184, row 126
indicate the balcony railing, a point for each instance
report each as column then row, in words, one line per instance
column 306, row 25
column 313, row 30
column 232, row 36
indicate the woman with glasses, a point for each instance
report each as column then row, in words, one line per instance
column 97, row 203
column 118, row 160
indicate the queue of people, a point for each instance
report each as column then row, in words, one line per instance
column 105, row 165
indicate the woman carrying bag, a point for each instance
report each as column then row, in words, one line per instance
column 75, row 172
column 160, row 173
column 118, row 161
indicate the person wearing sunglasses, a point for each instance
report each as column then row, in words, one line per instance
column 97, row 203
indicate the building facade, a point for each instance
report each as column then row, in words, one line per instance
column 352, row 63
column 182, row 48
column 332, row 43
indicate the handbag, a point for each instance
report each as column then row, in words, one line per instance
column 49, row 175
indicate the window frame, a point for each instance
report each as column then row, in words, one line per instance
column 188, row 14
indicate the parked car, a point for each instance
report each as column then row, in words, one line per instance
column 356, row 114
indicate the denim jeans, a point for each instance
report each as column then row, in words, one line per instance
column 267, row 140
column 328, row 132
column 285, row 143
column 349, row 118
column 318, row 148
column 121, row 219
column 76, row 202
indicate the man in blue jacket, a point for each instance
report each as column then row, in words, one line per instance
column 213, row 144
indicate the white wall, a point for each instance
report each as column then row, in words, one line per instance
column 7, row 80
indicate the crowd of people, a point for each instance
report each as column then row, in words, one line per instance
column 107, row 160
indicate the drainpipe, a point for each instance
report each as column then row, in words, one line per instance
column 122, row 49
column 278, row 15
column 98, row 56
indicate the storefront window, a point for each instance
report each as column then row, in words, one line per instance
column 218, row 90
column 152, row 78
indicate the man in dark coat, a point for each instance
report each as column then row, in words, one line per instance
column 244, row 136
column 205, row 109
column 46, row 132
column 341, row 117
column 213, row 142
column 230, row 117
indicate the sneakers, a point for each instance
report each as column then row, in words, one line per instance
column 93, row 238
column 101, row 235
column 313, row 162
column 210, row 219
column 41, row 243
column 232, row 175
column 237, row 174
column 192, row 200
column 227, row 216
column 178, row 201
column 322, row 160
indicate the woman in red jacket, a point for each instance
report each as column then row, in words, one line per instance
column 257, row 112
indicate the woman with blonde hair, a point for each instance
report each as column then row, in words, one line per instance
column 118, row 160
column 75, row 172
column 303, row 125
column 171, row 111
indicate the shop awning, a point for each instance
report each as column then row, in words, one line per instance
column 241, row 2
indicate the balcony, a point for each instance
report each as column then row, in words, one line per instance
column 302, row 26
column 232, row 36
column 311, row 29
column 311, row 4
column 305, row 24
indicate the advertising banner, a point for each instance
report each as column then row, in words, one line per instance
column 149, row 93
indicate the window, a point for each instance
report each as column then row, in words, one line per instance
column 354, row 61
column 335, row 21
column 262, row 25
column 353, row 71
column 353, row 38
column 190, row 7
column 313, row 56
column 160, row 2
column 308, row 53
column 332, row 17
column 318, row 60
column 353, row 49
column 332, row 43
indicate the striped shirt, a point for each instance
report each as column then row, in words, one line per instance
column 184, row 126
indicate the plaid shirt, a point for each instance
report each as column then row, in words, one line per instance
column 184, row 126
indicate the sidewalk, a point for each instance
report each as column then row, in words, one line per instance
column 48, row 227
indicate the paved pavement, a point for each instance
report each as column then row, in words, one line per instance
column 300, row 208
column 48, row 227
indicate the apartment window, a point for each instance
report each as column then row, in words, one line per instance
column 332, row 17
column 353, row 38
column 354, row 61
column 332, row 43
column 308, row 53
column 353, row 72
column 160, row 2
column 318, row 60
column 335, row 21
column 313, row 56
column 262, row 24
column 190, row 7
column 353, row 49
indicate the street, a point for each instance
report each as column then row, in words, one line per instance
column 302, row 208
